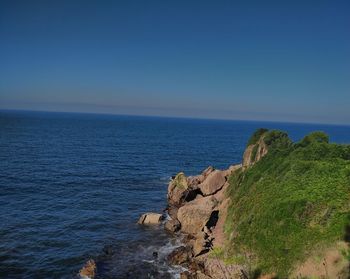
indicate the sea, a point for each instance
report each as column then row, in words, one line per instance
column 72, row 186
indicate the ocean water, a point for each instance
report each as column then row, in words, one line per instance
column 72, row 186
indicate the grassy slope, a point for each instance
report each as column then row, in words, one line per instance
column 294, row 200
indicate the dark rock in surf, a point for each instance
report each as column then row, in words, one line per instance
column 180, row 255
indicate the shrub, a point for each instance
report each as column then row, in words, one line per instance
column 291, row 202
column 317, row 136
column 256, row 136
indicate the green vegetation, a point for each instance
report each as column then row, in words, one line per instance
column 277, row 139
column 256, row 136
column 294, row 200
column 180, row 181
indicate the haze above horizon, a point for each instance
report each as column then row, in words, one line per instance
column 270, row 61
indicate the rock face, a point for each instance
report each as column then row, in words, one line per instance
column 193, row 181
column 180, row 255
column 254, row 152
column 150, row 219
column 177, row 189
column 195, row 204
column 88, row 271
column 194, row 215
column 172, row 225
column 214, row 182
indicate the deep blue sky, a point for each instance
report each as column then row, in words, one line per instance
column 261, row 60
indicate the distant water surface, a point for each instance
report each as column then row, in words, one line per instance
column 73, row 185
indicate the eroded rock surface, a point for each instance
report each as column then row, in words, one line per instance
column 150, row 218
column 177, row 189
column 172, row 225
column 194, row 215
column 254, row 152
column 180, row 255
column 213, row 183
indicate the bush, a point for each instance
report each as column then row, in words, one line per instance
column 256, row 136
column 277, row 139
column 291, row 202
column 317, row 136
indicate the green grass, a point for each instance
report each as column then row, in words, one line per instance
column 295, row 199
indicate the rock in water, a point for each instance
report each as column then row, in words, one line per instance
column 180, row 255
column 194, row 215
column 213, row 183
column 172, row 225
column 88, row 271
column 150, row 218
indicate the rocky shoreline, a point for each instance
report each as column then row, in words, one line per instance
column 196, row 213
column 197, row 209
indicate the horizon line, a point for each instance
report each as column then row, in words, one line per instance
column 172, row 117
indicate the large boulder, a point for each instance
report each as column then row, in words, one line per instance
column 150, row 218
column 194, row 215
column 177, row 189
column 193, row 181
column 213, row 183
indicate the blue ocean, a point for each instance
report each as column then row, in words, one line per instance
column 72, row 186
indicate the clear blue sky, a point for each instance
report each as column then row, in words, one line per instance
column 255, row 60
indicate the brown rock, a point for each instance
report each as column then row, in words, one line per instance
column 193, row 181
column 150, row 219
column 254, row 152
column 195, row 214
column 213, row 183
column 172, row 225
column 177, row 189
column 180, row 255
column 200, row 245
column 232, row 169
column 88, row 270
column 207, row 171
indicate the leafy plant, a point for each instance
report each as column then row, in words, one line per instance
column 293, row 200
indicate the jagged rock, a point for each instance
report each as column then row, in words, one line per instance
column 193, row 181
column 195, row 214
column 201, row 244
column 172, row 225
column 172, row 211
column 214, row 182
column 254, row 152
column 232, row 169
column 177, row 189
column 150, row 218
column 89, row 270
column 207, row 171
column 180, row 255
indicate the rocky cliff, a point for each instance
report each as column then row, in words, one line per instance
column 282, row 213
